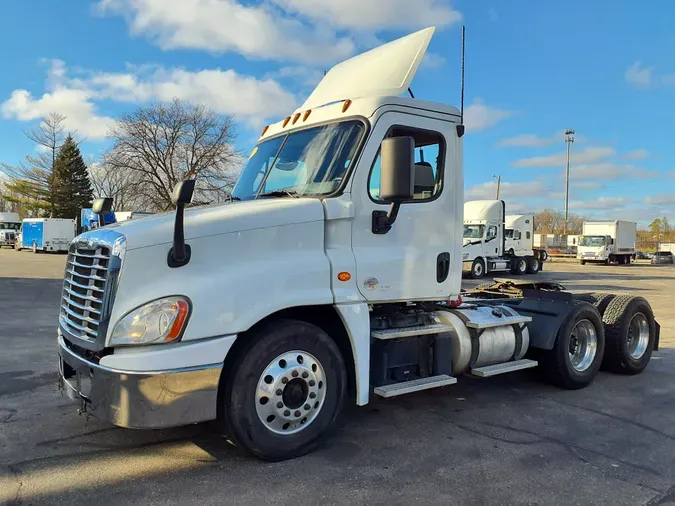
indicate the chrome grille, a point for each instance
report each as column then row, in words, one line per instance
column 85, row 290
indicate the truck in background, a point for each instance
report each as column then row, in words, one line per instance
column 121, row 216
column 47, row 234
column 607, row 242
column 494, row 242
column 89, row 220
column 667, row 246
column 10, row 226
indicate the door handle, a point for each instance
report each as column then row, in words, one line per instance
column 442, row 267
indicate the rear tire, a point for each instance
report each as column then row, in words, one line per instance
column 630, row 332
column 582, row 262
column 520, row 266
column 477, row 269
column 285, row 390
column 532, row 265
column 577, row 353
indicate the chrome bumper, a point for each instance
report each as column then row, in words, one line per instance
column 139, row 400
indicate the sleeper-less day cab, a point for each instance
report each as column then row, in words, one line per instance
column 334, row 273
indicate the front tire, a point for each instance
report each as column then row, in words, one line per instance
column 477, row 269
column 577, row 353
column 285, row 390
column 630, row 331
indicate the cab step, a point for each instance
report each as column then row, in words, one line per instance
column 494, row 370
column 416, row 385
column 420, row 330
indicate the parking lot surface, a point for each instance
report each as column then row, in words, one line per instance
column 505, row 440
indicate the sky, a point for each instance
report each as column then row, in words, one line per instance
column 533, row 69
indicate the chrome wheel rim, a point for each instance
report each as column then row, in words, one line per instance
column 583, row 345
column 522, row 265
column 638, row 336
column 290, row 392
column 479, row 269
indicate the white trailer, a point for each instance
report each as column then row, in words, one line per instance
column 335, row 269
column 667, row 246
column 493, row 242
column 47, row 234
column 607, row 242
column 10, row 225
column 130, row 215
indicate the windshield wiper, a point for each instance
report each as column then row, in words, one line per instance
column 280, row 193
column 234, row 198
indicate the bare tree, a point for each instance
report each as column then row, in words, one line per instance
column 117, row 183
column 33, row 179
column 157, row 146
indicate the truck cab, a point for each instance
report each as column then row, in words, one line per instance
column 10, row 228
column 594, row 248
column 334, row 272
column 518, row 234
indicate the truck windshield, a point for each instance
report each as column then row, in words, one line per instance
column 9, row 225
column 592, row 240
column 309, row 162
column 473, row 231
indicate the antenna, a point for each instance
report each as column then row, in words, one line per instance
column 461, row 112
column 411, row 93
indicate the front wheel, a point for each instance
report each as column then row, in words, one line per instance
column 477, row 269
column 285, row 390
column 577, row 353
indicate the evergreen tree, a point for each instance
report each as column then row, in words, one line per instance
column 72, row 186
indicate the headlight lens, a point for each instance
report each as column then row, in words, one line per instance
column 159, row 321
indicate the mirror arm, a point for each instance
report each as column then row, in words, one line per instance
column 383, row 220
column 179, row 254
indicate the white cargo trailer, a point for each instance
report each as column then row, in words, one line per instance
column 47, row 234
column 667, row 246
column 607, row 241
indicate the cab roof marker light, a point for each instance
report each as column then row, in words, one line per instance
column 306, row 115
column 346, row 105
column 264, row 131
column 288, row 118
column 296, row 118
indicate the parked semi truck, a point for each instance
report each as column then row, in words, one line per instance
column 494, row 242
column 607, row 241
column 10, row 225
column 47, row 234
column 334, row 274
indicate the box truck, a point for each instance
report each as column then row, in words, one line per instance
column 269, row 312
column 607, row 242
column 47, row 234
column 493, row 242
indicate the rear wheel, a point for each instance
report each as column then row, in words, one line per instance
column 520, row 266
column 532, row 265
column 582, row 262
column 284, row 392
column 477, row 269
column 630, row 330
column 577, row 353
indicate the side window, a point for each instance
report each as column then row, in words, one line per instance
column 429, row 164
column 527, row 235
column 517, row 235
column 492, row 233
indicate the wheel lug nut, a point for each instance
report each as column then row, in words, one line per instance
column 305, row 374
column 312, row 383
column 280, row 404
column 294, row 374
column 284, row 380
column 287, row 413
column 312, row 395
column 297, row 413
column 279, row 391
column 307, row 406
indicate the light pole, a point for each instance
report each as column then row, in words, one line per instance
column 569, row 139
column 499, row 182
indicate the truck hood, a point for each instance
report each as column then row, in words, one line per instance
column 219, row 219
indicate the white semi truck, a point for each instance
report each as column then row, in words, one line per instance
column 334, row 273
column 10, row 226
column 494, row 242
column 607, row 241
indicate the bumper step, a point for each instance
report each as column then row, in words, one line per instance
column 417, row 385
column 494, row 370
column 420, row 330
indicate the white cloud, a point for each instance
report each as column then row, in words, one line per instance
column 256, row 31
column 610, row 171
column 375, row 14
column 583, row 156
column 638, row 154
column 479, row 116
column 507, row 190
column 307, row 76
column 528, row 141
column 600, row 203
column 639, row 76
column 664, row 199
column 249, row 99
column 433, row 60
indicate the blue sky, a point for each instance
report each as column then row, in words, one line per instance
column 533, row 69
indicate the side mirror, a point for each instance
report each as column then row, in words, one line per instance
column 179, row 254
column 397, row 169
column 397, row 179
column 183, row 192
column 100, row 207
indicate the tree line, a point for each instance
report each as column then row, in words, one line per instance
column 150, row 150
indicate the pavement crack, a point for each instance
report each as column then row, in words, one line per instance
column 16, row 472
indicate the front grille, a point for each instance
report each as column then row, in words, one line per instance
column 85, row 294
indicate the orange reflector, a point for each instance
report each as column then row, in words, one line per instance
column 288, row 118
column 178, row 323
column 346, row 105
column 296, row 117
column 264, row 130
column 306, row 115
column 344, row 276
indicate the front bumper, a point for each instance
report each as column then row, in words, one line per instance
column 140, row 400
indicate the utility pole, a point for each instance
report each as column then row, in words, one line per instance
column 499, row 182
column 569, row 139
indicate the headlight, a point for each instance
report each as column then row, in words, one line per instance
column 159, row 321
